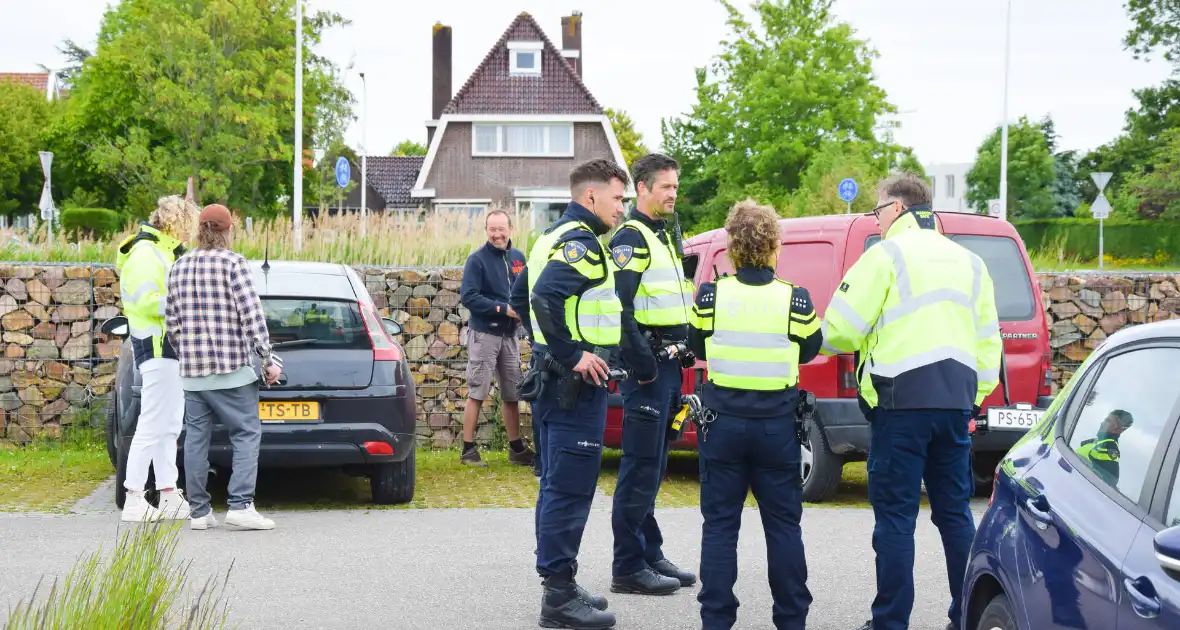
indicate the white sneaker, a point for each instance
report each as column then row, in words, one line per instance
column 173, row 505
column 207, row 521
column 248, row 518
column 136, row 509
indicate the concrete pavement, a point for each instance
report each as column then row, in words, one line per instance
column 434, row 569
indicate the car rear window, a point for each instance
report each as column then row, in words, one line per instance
column 318, row 323
column 1013, row 287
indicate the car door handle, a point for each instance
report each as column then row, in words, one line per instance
column 1038, row 506
column 1144, row 605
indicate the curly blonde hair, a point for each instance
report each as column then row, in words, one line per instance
column 176, row 216
column 753, row 234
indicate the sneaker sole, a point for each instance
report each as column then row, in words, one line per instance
column 259, row 528
column 631, row 590
column 546, row 622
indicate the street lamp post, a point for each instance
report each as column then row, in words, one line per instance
column 1004, row 128
column 364, row 155
column 297, row 191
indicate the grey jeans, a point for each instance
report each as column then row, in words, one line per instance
column 237, row 410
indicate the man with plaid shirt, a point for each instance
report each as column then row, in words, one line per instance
column 215, row 321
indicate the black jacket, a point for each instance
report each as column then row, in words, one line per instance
column 487, row 282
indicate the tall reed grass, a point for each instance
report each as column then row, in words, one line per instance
column 139, row 587
column 392, row 239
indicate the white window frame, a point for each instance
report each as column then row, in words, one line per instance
column 517, row 47
column 551, row 128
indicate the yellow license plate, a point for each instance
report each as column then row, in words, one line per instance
column 289, row 411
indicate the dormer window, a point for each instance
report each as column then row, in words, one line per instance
column 524, row 58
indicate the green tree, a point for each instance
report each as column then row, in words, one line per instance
column 409, row 147
column 630, row 140
column 1156, row 26
column 1031, row 172
column 1157, row 186
column 178, row 89
column 778, row 94
column 25, row 116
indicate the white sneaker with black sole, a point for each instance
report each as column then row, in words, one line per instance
column 248, row 518
column 173, row 505
column 136, row 509
column 207, row 521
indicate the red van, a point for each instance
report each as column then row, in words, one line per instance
column 817, row 251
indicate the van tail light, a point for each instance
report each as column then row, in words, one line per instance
column 379, row 448
column 845, row 376
column 384, row 348
column 1047, row 378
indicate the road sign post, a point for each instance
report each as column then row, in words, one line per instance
column 1100, row 208
column 847, row 191
column 47, row 208
column 343, row 174
column 994, row 208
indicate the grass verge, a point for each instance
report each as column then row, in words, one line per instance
column 50, row 476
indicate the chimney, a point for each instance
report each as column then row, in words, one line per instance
column 440, row 93
column 571, row 40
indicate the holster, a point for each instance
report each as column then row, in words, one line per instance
column 533, row 383
column 804, row 415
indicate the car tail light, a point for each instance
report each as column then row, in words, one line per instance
column 384, row 348
column 1047, row 379
column 845, row 376
column 379, row 448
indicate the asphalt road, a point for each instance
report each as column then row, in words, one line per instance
column 435, row 569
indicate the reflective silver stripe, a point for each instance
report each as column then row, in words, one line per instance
column 827, row 348
column 598, row 294
column 849, row 314
column 600, row 321
column 663, row 274
column 744, row 339
column 976, row 280
column 989, row 330
column 163, row 310
column 899, row 271
column 144, row 333
column 144, row 289
column 989, row 375
column 750, row 369
column 655, row 302
column 891, row 370
column 930, row 298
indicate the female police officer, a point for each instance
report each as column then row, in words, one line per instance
column 754, row 330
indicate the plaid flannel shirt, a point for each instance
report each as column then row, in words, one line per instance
column 214, row 315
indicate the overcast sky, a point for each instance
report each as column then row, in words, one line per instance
column 941, row 61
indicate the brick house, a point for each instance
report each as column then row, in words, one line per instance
column 510, row 135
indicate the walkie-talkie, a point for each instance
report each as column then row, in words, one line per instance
column 677, row 235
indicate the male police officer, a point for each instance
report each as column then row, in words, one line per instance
column 920, row 310
column 1102, row 451
column 656, row 300
column 575, row 314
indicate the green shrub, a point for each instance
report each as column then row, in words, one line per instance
column 91, row 222
column 140, row 587
column 1121, row 239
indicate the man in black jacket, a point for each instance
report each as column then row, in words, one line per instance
column 492, row 341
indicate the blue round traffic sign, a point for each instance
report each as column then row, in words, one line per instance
column 848, row 189
column 343, row 172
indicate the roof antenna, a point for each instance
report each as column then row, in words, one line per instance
column 266, row 252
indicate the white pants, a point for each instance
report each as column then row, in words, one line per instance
column 161, row 417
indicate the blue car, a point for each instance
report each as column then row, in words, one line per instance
column 1083, row 526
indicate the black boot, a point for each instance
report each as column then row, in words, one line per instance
column 645, row 582
column 596, row 601
column 663, row 567
column 563, row 607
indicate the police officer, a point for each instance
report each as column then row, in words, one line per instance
column 919, row 310
column 754, row 330
column 657, row 300
column 575, row 318
column 1102, row 451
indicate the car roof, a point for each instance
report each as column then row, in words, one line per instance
column 302, row 279
column 1169, row 328
column 953, row 222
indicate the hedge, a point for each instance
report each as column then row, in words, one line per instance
column 1079, row 237
column 93, row 222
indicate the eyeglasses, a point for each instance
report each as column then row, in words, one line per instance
column 877, row 210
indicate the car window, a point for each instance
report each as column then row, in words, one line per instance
column 1013, row 287
column 319, row 323
column 1119, row 424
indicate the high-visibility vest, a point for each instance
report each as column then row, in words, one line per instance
column 595, row 316
column 750, row 347
column 1103, row 456
column 665, row 296
column 921, row 311
column 143, row 262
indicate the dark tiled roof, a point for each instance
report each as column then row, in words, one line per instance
column 35, row 80
column 393, row 177
column 491, row 90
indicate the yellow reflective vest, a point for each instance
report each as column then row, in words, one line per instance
column 664, row 297
column 143, row 262
column 595, row 316
column 750, row 346
column 921, row 311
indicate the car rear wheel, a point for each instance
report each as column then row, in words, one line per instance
column 983, row 471
column 120, row 477
column 822, row 469
column 112, row 429
column 394, row 482
column 998, row 615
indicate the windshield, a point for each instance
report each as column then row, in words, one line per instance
column 1013, row 288
column 315, row 323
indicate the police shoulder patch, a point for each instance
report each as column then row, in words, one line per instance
column 622, row 255
column 573, row 251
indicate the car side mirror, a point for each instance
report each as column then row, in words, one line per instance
column 1167, row 550
column 116, row 326
column 392, row 328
